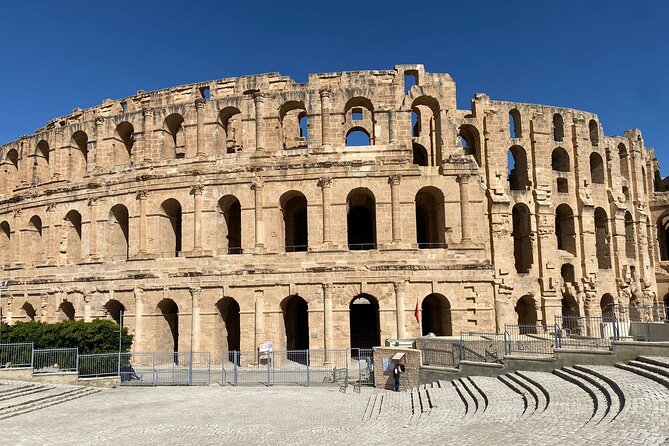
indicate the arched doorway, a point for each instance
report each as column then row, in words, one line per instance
column 606, row 305
column 361, row 219
column 436, row 315
column 527, row 314
column 115, row 309
column 364, row 322
column 296, row 228
column 167, row 329
column 430, row 218
column 228, row 309
column 118, row 243
column 570, row 314
column 296, row 322
column 28, row 311
column 66, row 310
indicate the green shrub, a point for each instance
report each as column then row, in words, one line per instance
column 100, row 336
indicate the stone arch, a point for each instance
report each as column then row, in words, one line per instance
column 526, row 309
column 295, row 312
column 518, row 175
column 596, row 168
column 565, row 230
column 364, row 322
column 122, row 144
column 34, row 241
column 522, row 238
column 41, row 167
column 515, row 124
column 78, row 155
column 6, row 249
column 66, row 311
column 230, row 122
column 115, row 310
column 630, row 238
column 174, row 141
column 602, row 247
column 295, row 221
column 593, row 131
column 167, row 326
column 292, row 116
column 430, row 219
column 230, row 225
column 420, row 157
column 428, row 125
column 359, row 117
column 560, row 160
column 570, row 313
column 72, row 234
column 623, row 157
column 607, row 307
column 358, row 136
column 229, row 322
column 169, row 228
column 10, row 170
column 558, row 127
column 663, row 236
column 567, row 273
column 471, row 141
column 361, row 219
column 118, row 233
column 28, row 311
column 436, row 315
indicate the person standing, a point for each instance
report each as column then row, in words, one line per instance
column 396, row 376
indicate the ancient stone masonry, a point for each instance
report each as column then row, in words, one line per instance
column 222, row 214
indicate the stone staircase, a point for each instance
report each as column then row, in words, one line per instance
column 17, row 398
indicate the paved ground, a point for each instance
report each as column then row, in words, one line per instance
column 592, row 405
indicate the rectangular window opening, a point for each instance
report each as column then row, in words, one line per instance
column 410, row 79
column 356, row 114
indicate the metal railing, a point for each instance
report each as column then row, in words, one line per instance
column 585, row 332
column 482, row 346
column 165, row 368
column 55, row 360
column 641, row 313
column 530, row 340
column 16, row 355
column 99, row 365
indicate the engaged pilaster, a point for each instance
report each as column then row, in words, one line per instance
column 327, row 321
column 199, row 110
column 196, row 192
column 195, row 319
column 400, row 288
column 325, row 118
column 463, row 182
column 394, row 181
column 257, row 187
column 325, row 184
column 258, row 100
column 142, row 196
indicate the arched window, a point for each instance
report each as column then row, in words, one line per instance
column 558, row 127
column 469, row 138
column 522, row 238
column 560, row 160
column 78, row 155
column 230, row 225
column 296, row 224
column 415, row 122
column 114, row 309
column 624, row 161
column 174, row 142
column 564, row 229
column 359, row 122
column 6, row 250
column 361, row 219
column 567, row 273
column 170, row 228
column 364, row 322
column 596, row 168
column 570, row 314
column 124, row 139
column 517, row 169
column 228, row 309
column 66, row 311
column 292, row 114
column 72, row 234
column 10, row 168
column 28, row 311
column 607, row 306
column 357, row 136
column 118, row 242
column 35, row 243
column 230, row 122
column 515, row 126
column 426, row 127
column 593, row 129
column 41, row 169
column 436, row 316
column 630, row 242
column 167, row 329
column 526, row 309
column 602, row 239
column 430, row 225
column 419, row 155
column 296, row 322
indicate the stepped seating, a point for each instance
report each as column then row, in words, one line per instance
column 18, row 398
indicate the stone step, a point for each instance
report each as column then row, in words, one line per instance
column 514, row 387
column 660, row 379
column 660, row 361
column 544, row 396
column 664, row 371
column 611, row 394
column 532, row 394
column 600, row 400
column 27, row 390
column 51, row 401
column 30, row 400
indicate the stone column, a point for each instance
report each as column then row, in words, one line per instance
column 51, row 234
column 259, row 329
column 400, row 308
column 9, row 318
column 199, row 109
column 93, row 250
column 195, row 319
column 327, row 322
column 463, row 181
column 148, row 134
column 87, row 306
column 95, row 160
column 325, row 184
column 18, row 249
column 139, row 312
column 25, row 162
column 57, row 168
column 44, row 308
column 325, row 118
column 257, row 187
column 142, row 196
column 392, row 127
column 258, row 100
column 196, row 192
column 394, row 181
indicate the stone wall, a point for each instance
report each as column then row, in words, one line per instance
column 412, row 362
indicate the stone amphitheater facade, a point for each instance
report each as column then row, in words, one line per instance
column 222, row 214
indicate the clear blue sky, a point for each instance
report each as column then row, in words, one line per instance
column 608, row 57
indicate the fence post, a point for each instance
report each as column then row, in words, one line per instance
column 77, row 362
column 235, row 357
column 190, row 368
column 154, row 376
column 557, row 334
column 308, row 370
column 616, row 333
column 32, row 356
column 346, row 356
column 507, row 344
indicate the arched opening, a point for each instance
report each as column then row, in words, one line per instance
column 10, row 171
column 565, row 231
column 35, row 243
column 167, row 329
column 515, row 125
column 174, row 143
column 470, row 141
column 296, row 322
column 644, row 181
column 118, row 233
column 624, row 161
column 430, row 224
column 419, row 155
column 570, row 314
column 526, row 310
column 426, row 127
column 28, row 311
column 607, row 306
column 666, row 308
column 230, row 121
column 522, row 238
column 558, row 127
column 170, row 228
column 66, row 311
column 567, row 273
column 630, row 239
column 123, row 142
column 602, row 239
column 663, row 236
column 415, row 122
column 296, row 227
column 357, row 136
column 593, row 129
column 596, row 168
column 79, row 155
column 560, row 160
column 72, row 233
column 6, row 251
column 41, row 170
column 364, row 322
column 436, row 316
column 361, row 219
column 293, row 116
column 228, row 309
column 517, row 169
column 230, row 225
column 115, row 309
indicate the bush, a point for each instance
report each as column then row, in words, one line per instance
column 100, row 336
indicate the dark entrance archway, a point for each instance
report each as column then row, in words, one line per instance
column 527, row 314
column 115, row 309
column 169, row 335
column 296, row 322
column 67, row 311
column 361, row 219
column 228, row 308
column 364, row 322
column 436, row 315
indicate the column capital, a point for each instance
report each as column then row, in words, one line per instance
column 147, row 112
column 257, row 184
column 93, row 201
column 400, row 286
column 197, row 189
column 258, row 97
column 325, row 93
column 142, row 195
column 463, row 178
column 200, row 103
column 394, row 180
column 324, row 182
column 17, row 213
column 195, row 292
column 100, row 120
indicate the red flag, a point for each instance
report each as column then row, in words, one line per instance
column 416, row 313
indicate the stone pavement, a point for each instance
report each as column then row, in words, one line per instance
column 579, row 406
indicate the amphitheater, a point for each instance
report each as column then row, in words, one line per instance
column 219, row 215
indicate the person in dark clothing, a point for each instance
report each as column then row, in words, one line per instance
column 396, row 376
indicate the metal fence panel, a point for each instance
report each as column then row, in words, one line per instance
column 324, row 363
column 530, row 340
column 483, row 346
column 289, row 367
column 440, row 352
column 55, row 360
column 99, row 365
column 585, row 332
column 137, row 369
column 16, row 355
column 361, row 370
column 640, row 313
